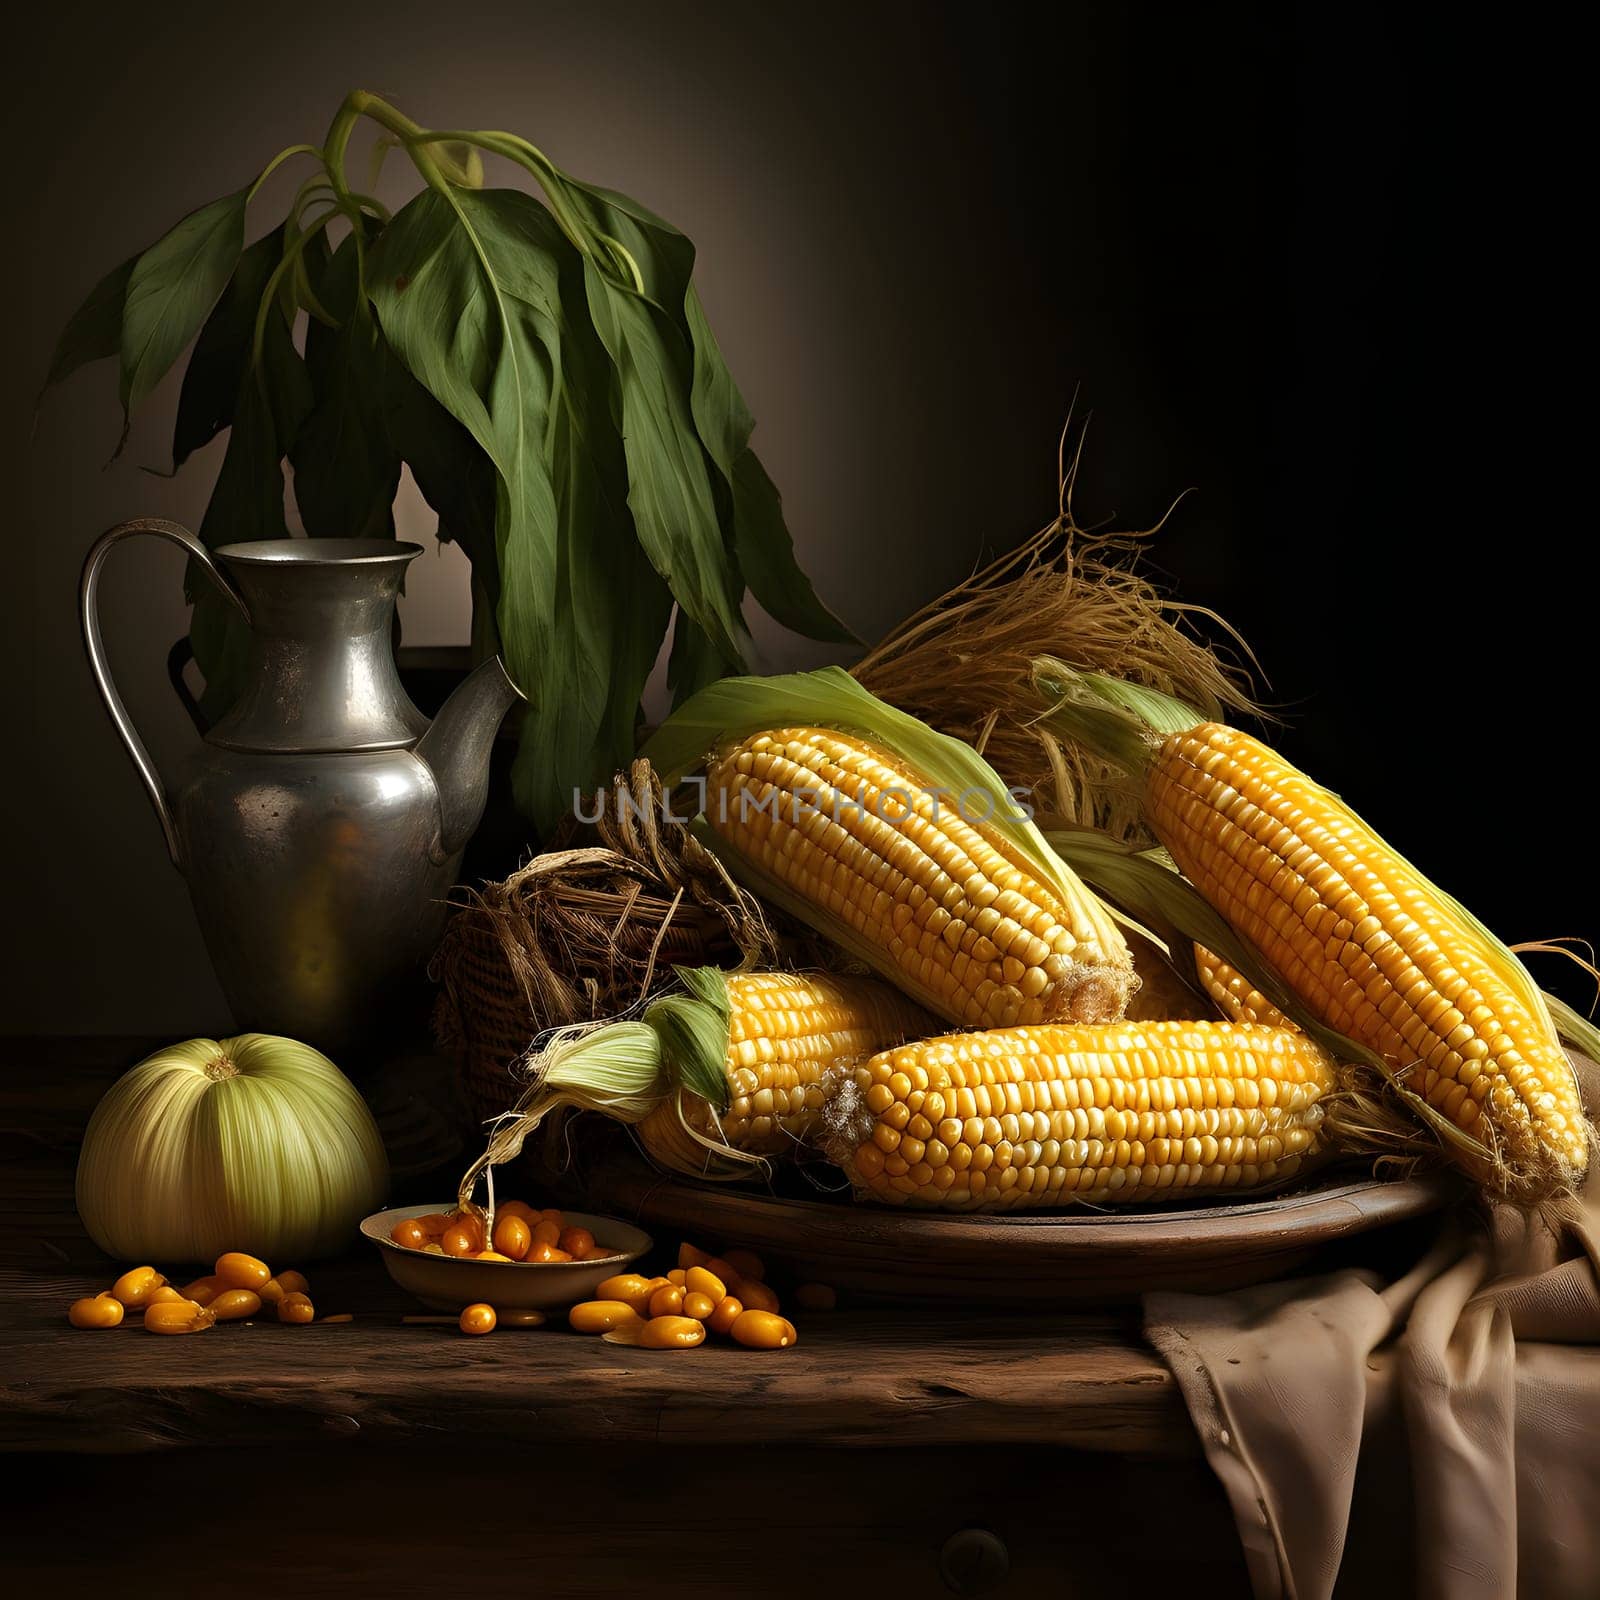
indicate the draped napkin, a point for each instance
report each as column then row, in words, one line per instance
column 1436, row 1434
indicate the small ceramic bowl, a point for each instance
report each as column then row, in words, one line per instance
column 447, row 1283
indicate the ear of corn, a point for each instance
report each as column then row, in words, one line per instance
column 901, row 845
column 1369, row 946
column 1050, row 1116
column 717, row 1077
column 1234, row 995
column 758, row 1091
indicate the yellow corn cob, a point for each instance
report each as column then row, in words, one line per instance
column 1373, row 950
column 1234, row 995
column 1049, row 1116
column 945, row 907
column 785, row 1031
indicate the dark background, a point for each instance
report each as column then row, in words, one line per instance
column 1319, row 267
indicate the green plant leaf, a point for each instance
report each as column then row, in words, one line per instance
column 470, row 317
column 454, row 474
column 695, row 662
column 475, row 294
column 247, row 502
column 669, row 488
column 761, row 537
column 221, row 353
column 618, row 603
column 758, row 535
column 346, row 467
column 95, row 329
column 172, row 289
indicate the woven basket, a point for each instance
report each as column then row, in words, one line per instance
column 581, row 934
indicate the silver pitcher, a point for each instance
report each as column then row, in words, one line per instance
column 320, row 824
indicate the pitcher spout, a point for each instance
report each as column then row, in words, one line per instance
column 455, row 749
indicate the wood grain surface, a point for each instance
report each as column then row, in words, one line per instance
column 861, row 1378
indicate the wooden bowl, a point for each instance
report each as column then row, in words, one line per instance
column 447, row 1283
column 1053, row 1258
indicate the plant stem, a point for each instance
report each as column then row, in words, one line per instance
column 588, row 241
column 277, row 161
column 291, row 254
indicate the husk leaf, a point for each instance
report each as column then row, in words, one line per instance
column 734, row 708
column 624, row 1070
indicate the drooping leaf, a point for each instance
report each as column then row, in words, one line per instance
column 454, row 474
column 758, row 537
column 247, row 501
column 761, row 537
column 470, row 318
column 468, row 292
column 694, row 661
column 171, row 290
column 221, row 353
column 95, row 330
column 617, row 601
column 669, row 487
column 662, row 253
column 346, row 468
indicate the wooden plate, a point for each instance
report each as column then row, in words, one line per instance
column 1062, row 1259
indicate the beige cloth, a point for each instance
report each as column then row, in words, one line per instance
column 1437, row 1435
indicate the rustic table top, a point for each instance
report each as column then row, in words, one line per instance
column 859, row 1377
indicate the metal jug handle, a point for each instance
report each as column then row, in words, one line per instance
column 94, row 643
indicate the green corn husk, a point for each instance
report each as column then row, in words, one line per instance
column 624, row 1070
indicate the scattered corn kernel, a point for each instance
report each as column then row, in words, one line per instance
column 96, row 1311
column 601, row 1316
column 630, row 1289
column 816, row 1297
column 699, row 1280
column 724, row 1314
column 178, row 1316
column 136, row 1285
column 760, row 1330
column 667, row 1302
column 672, row 1333
column 479, row 1318
column 233, row 1305
column 236, row 1270
column 296, row 1307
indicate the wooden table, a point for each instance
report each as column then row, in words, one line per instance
column 890, row 1453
